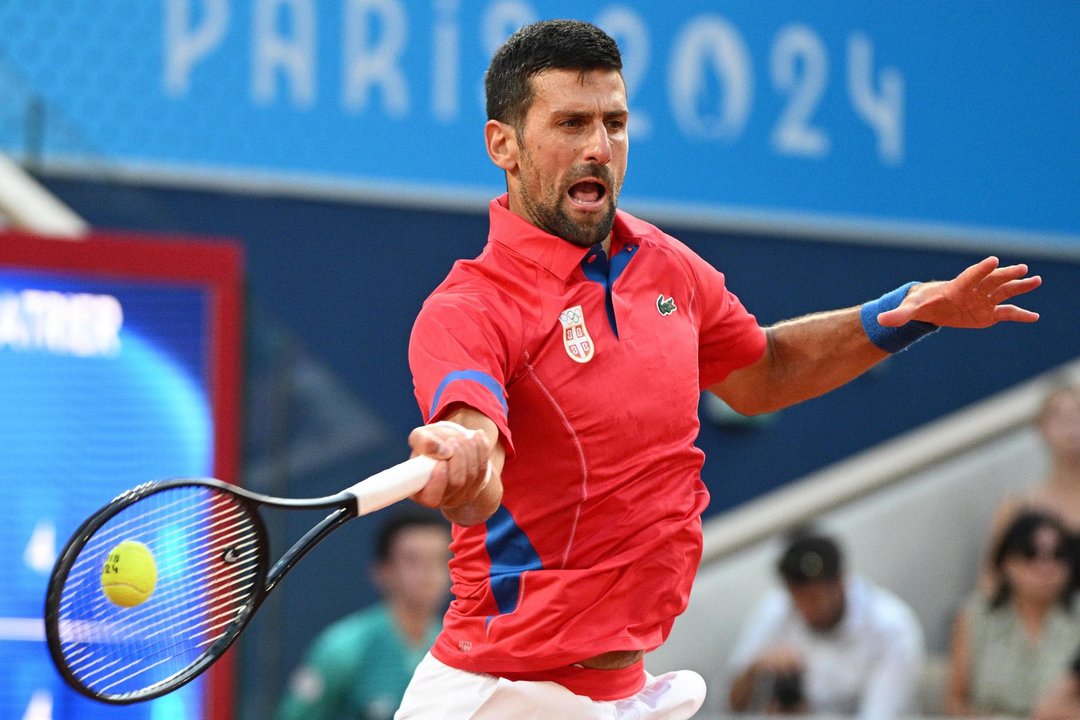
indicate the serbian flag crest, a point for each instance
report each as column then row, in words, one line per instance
column 579, row 346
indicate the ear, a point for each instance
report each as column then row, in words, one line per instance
column 502, row 145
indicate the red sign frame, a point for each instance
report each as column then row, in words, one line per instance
column 215, row 263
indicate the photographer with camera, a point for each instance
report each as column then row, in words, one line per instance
column 827, row 643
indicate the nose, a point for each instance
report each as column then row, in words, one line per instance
column 598, row 145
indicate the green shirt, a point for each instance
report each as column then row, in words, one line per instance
column 357, row 669
column 1008, row 671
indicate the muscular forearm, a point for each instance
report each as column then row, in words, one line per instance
column 816, row 353
column 479, row 509
column 805, row 358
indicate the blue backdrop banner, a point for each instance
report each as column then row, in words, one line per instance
column 961, row 115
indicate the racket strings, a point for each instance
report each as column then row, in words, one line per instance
column 171, row 574
column 209, row 570
column 199, row 618
column 166, row 514
column 167, row 591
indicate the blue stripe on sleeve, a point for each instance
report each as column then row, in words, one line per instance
column 511, row 556
column 483, row 378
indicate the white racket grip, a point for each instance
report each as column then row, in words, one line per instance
column 393, row 484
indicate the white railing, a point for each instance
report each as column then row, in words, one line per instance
column 866, row 472
column 27, row 205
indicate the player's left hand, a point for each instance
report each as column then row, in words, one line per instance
column 973, row 299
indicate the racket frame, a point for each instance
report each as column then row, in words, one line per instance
column 369, row 495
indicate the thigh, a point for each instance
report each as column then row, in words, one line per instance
column 439, row 692
column 525, row 700
column 672, row 696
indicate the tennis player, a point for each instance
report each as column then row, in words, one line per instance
column 573, row 351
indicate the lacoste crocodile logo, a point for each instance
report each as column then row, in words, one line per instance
column 666, row 306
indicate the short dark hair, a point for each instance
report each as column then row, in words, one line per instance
column 546, row 45
column 810, row 557
column 402, row 520
column 1019, row 538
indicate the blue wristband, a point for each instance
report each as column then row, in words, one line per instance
column 892, row 339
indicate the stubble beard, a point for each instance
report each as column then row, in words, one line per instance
column 551, row 217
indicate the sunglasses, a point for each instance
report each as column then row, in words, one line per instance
column 1030, row 552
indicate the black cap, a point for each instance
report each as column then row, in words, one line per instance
column 810, row 558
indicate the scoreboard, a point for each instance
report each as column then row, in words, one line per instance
column 119, row 363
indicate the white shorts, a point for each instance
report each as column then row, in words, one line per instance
column 440, row 692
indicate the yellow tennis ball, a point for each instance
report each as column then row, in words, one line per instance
column 130, row 574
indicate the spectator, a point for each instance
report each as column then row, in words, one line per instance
column 1063, row 700
column 827, row 642
column 1058, row 423
column 1009, row 649
column 359, row 666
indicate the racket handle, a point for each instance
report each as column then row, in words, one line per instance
column 391, row 485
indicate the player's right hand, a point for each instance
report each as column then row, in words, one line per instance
column 462, row 485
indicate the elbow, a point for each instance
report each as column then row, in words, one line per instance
column 467, row 515
column 752, row 408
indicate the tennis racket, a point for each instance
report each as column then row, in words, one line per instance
column 208, row 546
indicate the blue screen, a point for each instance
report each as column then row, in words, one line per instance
column 103, row 385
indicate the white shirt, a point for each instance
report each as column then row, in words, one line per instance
column 868, row 665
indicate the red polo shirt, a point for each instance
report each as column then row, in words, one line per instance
column 592, row 371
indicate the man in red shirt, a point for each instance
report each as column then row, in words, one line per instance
column 559, row 375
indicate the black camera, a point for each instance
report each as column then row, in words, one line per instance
column 787, row 690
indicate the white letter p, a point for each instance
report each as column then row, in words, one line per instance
column 184, row 45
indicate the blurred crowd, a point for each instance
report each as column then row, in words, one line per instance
column 829, row 642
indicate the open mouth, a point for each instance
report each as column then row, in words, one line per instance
column 588, row 192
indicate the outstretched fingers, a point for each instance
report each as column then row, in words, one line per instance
column 1012, row 313
column 1005, row 283
column 975, row 275
column 973, row 299
column 1010, row 287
